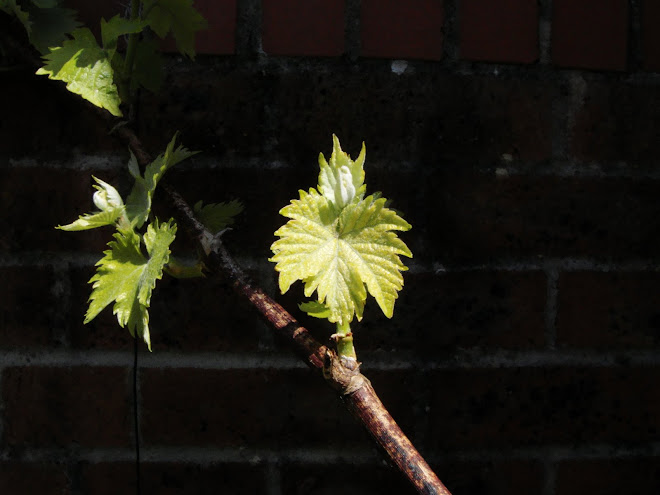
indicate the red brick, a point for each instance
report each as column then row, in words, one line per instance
column 609, row 310
column 573, row 406
column 636, row 475
column 27, row 306
column 590, row 34
column 23, row 478
column 303, row 27
column 393, row 29
column 257, row 408
column 616, row 124
column 219, row 38
column 35, row 199
column 488, row 217
column 90, row 13
column 61, row 407
column 170, row 479
column 497, row 477
column 442, row 313
column 650, row 34
column 499, row 30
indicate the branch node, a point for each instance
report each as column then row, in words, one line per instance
column 343, row 373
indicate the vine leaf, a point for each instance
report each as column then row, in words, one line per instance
column 45, row 23
column 177, row 16
column 86, row 69
column 217, row 216
column 116, row 27
column 342, row 179
column 342, row 255
column 138, row 203
column 127, row 278
column 108, row 201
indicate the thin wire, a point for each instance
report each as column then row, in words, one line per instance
column 136, row 417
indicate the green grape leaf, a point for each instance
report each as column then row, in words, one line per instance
column 138, row 203
column 108, row 201
column 342, row 179
column 116, row 27
column 49, row 26
column 341, row 255
column 315, row 309
column 86, row 69
column 127, row 278
column 180, row 269
column 177, row 16
column 217, row 216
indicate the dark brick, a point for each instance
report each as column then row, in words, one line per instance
column 202, row 314
column 27, row 306
column 50, row 125
column 574, row 407
column 651, row 35
column 62, row 407
column 172, row 478
column 395, row 29
column 488, row 217
column 615, row 124
column 439, row 314
column 633, row 475
column 497, row 477
column 444, row 121
column 343, row 478
column 35, row 200
column 609, row 310
column 23, row 478
column 303, row 27
column 590, row 34
column 499, row 31
column 222, row 115
column 258, row 408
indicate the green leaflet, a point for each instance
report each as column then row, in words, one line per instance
column 342, row 179
column 341, row 252
column 138, row 203
column 108, row 201
column 217, row 216
column 126, row 277
column 85, row 67
column 177, row 16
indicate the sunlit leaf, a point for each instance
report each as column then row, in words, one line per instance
column 127, row 277
column 84, row 66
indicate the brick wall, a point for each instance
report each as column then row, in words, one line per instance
column 520, row 139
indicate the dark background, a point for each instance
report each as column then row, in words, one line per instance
column 518, row 137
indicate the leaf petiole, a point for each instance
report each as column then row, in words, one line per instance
column 344, row 339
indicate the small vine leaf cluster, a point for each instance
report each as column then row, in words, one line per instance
column 341, row 244
column 126, row 275
column 102, row 73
